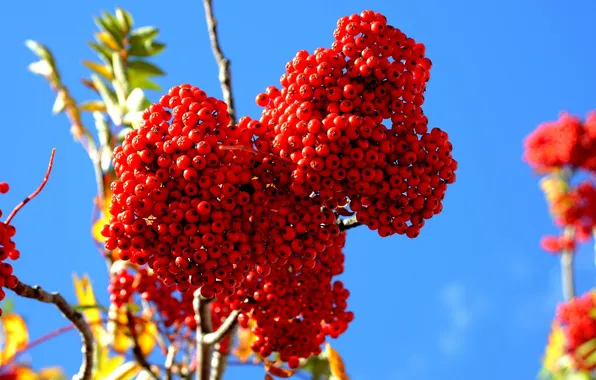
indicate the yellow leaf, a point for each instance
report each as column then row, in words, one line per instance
column 16, row 336
column 24, row 373
column 336, row 364
column 118, row 328
column 50, row 373
column 86, row 297
column 245, row 339
column 146, row 337
column 103, row 70
column 107, row 39
column 126, row 371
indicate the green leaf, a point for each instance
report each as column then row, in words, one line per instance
column 146, row 50
column 144, row 83
column 124, row 19
column 120, row 83
column 144, row 68
column 59, row 103
column 143, row 35
column 107, row 39
column 38, row 49
column 103, row 70
column 135, row 100
column 42, row 68
column 93, row 106
column 104, row 53
column 88, row 307
column 109, row 23
column 109, row 99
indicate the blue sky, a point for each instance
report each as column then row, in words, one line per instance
column 471, row 297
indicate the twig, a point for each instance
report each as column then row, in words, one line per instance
column 219, row 359
column 224, row 328
column 203, row 320
column 37, row 293
column 567, row 278
column 169, row 363
column 225, row 75
column 346, row 224
column 34, row 194
column 136, row 349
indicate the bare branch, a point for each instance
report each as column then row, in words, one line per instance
column 567, row 278
column 203, row 320
column 136, row 348
column 77, row 319
column 169, row 363
column 346, row 224
column 219, row 359
column 225, row 75
column 226, row 326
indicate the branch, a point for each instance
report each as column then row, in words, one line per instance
column 346, row 224
column 219, row 359
column 34, row 194
column 136, row 349
column 37, row 293
column 203, row 320
column 169, row 363
column 226, row 326
column 567, row 279
column 225, row 75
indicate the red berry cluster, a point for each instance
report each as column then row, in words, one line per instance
column 577, row 209
column 565, row 142
column 327, row 120
column 7, row 251
column 183, row 201
column 578, row 322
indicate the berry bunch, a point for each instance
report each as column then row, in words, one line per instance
column 185, row 194
column 296, row 307
column 565, row 142
column 327, row 120
column 579, row 324
column 7, row 251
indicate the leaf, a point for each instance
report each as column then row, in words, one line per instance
column 120, row 82
column 126, row 371
column 146, row 50
column 146, row 338
column 40, row 50
column 134, row 102
column 8, row 306
column 51, row 373
column 59, row 103
column 109, row 99
column 42, row 68
column 245, row 338
column 276, row 371
column 87, row 307
column 118, row 328
column 16, row 336
column 336, row 363
column 124, row 19
column 104, row 53
column 25, row 373
column 144, row 68
column 86, row 297
column 143, row 35
column 103, row 70
column 143, row 83
column 110, row 25
column 93, row 106
column 107, row 39
column 88, row 84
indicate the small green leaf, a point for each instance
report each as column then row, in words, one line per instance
column 146, row 50
column 109, row 99
column 143, row 35
column 41, row 67
column 144, row 68
column 59, row 103
column 124, row 19
column 110, row 25
column 133, row 307
column 93, row 106
column 40, row 50
column 144, row 83
column 103, row 70
column 120, row 83
column 104, row 53
column 88, row 307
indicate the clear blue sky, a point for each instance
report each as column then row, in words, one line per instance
column 471, row 298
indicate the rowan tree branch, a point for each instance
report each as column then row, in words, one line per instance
column 136, row 348
column 204, row 327
column 219, row 359
column 346, row 224
column 225, row 75
column 567, row 278
column 169, row 363
column 77, row 319
column 220, row 333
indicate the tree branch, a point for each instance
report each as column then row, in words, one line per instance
column 346, row 224
column 169, row 363
column 136, row 348
column 77, row 319
column 225, row 75
column 567, row 278
column 226, row 326
column 203, row 320
column 219, row 359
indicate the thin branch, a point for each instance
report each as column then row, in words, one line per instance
column 567, row 278
column 346, row 224
column 219, row 359
column 225, row 75
column 226, row 326
column 34, row 194
column 169, row 363
column 136, row 349
column 203, row 320
column 37, row 293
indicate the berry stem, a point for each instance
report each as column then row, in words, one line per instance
column 34, row 194
column 348, row 223
column 567, row 278
column 169, row 363
column 136, row 349
column 225, row 74
column 77, row 319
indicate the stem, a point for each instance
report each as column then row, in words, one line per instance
column 226, row 327
column 567, row 278
column 170, row 361
column 203, row 320
column 34, row 194
column 225, row 75
column 136, row 349
column 77, row 319
column 346, row 224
